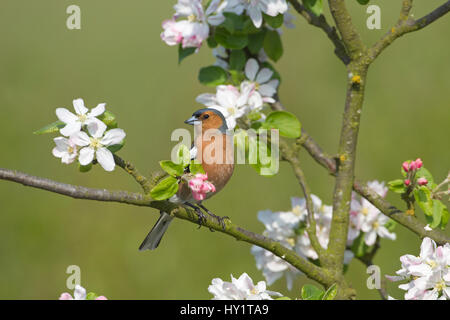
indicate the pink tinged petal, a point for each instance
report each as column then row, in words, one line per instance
column 98, row 110
column 251, row 68
column 106, row 159
column 264, row 75
column 101, row 298
column 421, row 270
column 65, row 296
column 65, row 115
column 71, row 129
column 86, row 156
column 113, row 136
column 81, row 139
column 79, row 293
column 427, row 248
column 80, row 109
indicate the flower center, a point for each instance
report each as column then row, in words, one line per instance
column 254, row 291
column 440, row 286
column 82, row 118
column 296, row 210
column 71, row 150
column 95, row 143
column 291, row 241
column 365, row 211
column 432, row 264
column 376, row 225
column 232, row 111
column 192, row 18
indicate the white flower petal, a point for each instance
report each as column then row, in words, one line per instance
column 106, row 159
column 79, row 293
column 80, row 109
column 114, row 136
column 65, row 115
column 81, row 139
column 86, row 156
column 71, row 129
column 98, row 110
column 264, row 75
column 251, row 68
column 256, row 16
column 96, row 128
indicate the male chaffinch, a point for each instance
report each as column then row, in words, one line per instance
column 217, row 159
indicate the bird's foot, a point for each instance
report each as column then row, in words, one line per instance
column 200, row 214
column 218, row 218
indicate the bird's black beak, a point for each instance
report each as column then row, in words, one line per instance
column 192, row 120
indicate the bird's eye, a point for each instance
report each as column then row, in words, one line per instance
column 206, row 116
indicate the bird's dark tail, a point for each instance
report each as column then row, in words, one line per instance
column 155, row 235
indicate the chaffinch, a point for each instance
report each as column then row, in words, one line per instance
column 217, row 158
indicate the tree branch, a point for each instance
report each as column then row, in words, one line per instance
column 321, row 23
column 312, row 271
column 131, row 170
column 404, row 25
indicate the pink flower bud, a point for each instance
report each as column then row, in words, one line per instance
column 407, row 182
column 413, row 166
column 422, row 181
column 405, row 166
column 418, row 163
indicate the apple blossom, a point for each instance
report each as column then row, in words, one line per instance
column 74, row 122
column 200, row 187
column 190, row 24
column 65, row 149
column 428, row 275
column 78, row 294
column 255, row 8
column 262, row 79
column 95, row 145
column 240, row 289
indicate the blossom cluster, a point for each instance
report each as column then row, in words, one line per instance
column 410, row 168
column 190, row 25
column 86, row 137
column 240, row 289
column 427, row 276
column 289, row 228
column 200, row 187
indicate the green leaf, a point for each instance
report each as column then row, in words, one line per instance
column 165, row 189
column 331, row 293
column 211, row 41
column 363, row 2
column 274, row 22
column 359, row 247
column 272, row 45
column 256, row 41
column 86, row 168
column 195, row 168
column 310, row 292
column 116, row 147
column 109, row 119
column 212, row 76
column 184, row 52
column 50, row 128
column 285, row 122
column 283, row 298
column 316, row 6
column 397, row 186
column 237, row 60
column 423, row 197
column 424, row 173
column 183, row 155
column 172, row 168
column 438, row 208
column 233, row 22
column 445, row 217
column 91, row 296
column 230, row 41
column 237, row 77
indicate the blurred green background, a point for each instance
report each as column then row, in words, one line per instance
column 118, row 58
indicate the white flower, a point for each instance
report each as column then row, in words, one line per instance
column 262, row 80
column 83, row 116
column 190, row 24
column 96, row 145
column 374, row 225
column 65, row 149
column 255, row 8
column 221, row 55
column 78, row 294
column 428, row 275
column 240, row 289
column 273, row 267
column 228, row 100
